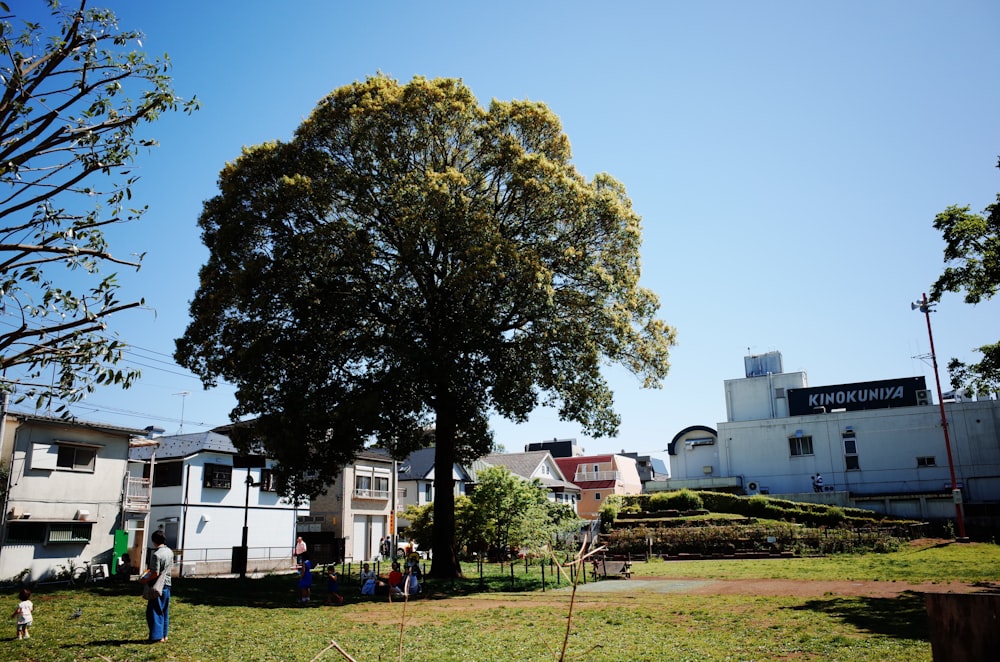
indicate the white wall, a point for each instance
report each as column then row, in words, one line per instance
column 888, row 444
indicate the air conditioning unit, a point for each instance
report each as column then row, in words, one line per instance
column 752, row 486
column 923, row 397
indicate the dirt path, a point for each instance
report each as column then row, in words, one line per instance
column 803, row 588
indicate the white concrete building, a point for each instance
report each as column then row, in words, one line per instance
column 201, row 499
column 878, row 445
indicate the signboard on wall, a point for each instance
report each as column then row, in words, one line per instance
column 883, row 394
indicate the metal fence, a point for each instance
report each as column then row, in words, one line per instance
column 206, row 561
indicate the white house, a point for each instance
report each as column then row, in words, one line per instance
column 878, row 445
column 204, row 498
column 416, row 480
column 66, row 494
column 540, row 465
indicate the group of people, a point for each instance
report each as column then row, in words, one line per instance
column 398, row 582
column 305, row 582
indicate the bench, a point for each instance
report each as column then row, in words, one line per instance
column 611, row 568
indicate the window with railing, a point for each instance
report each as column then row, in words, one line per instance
column 371, row 487
column 585, row 476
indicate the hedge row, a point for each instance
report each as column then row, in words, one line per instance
column 758, row 537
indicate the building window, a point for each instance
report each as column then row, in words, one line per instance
column 798, row 446
column 42, row 533
column 597, row 496
column 25, row 533
column 268, row 481
column 362, row 485
column 926, row 461
column 219, row 476
column 69, row 532
column 382, row 486
column 76, row 458
column 428, row 492
column 166, row 474
column 851, row 461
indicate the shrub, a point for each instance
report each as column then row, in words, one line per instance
column 680, row 500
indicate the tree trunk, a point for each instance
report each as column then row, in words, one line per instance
column 445, row 564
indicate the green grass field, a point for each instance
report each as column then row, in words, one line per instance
column 484, row 620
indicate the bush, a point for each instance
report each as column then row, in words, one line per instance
column 680, row 500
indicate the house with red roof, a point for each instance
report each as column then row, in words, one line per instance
column 598, row 476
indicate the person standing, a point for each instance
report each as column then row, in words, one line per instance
column 23, row 614
column 305, row 581
column 158, row 608
column 300, row 549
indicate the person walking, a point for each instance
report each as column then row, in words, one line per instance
column 158, row 608
column 23, row 614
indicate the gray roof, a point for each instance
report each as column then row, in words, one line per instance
column 525, row 464
column 419, row 464
column 77, row 423
column 184, row 445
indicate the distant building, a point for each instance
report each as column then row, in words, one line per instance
column 650, row 468
column 598, row 476
column 357, row 507
column 66, row 494
column 416, row 480
column 541, row 466
column 557, row 447
column 878, row 445
column 202, row 494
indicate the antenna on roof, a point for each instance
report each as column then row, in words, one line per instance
column 184, row 395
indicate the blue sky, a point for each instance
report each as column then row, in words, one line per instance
column 787, row 158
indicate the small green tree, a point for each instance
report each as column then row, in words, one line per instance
column 73, row 95
column 972, row 259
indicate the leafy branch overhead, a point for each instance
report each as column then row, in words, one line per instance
column 972, row 259
column 74, row 93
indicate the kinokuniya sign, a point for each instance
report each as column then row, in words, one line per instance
column 851, row 397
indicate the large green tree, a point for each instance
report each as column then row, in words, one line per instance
column 74, row 93
column 412, row 261
column 972, row 259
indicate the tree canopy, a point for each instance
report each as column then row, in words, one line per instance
column 412, row 261
column 73, row 95
column 972, row 259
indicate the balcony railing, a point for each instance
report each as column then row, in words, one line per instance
column 360, row 493
column 585, row 476
column 137, row 495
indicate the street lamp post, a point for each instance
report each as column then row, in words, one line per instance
column 956, row 494
column 246, row 512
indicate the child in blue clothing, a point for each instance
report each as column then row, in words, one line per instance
column 305, row 579
column 333, row 586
